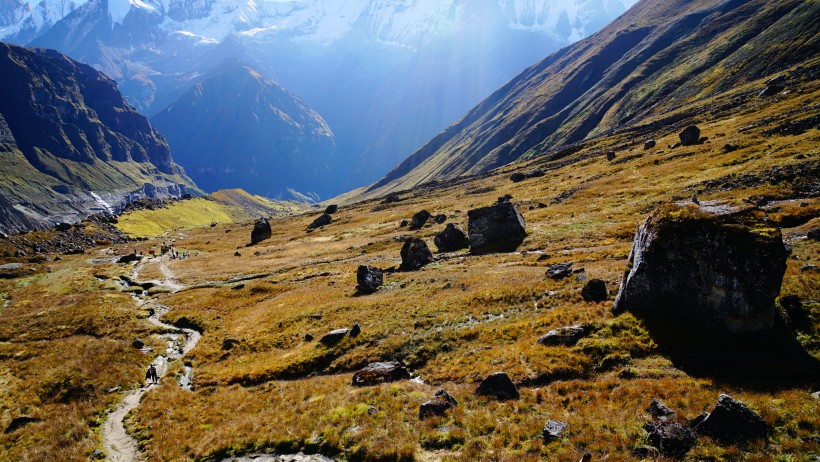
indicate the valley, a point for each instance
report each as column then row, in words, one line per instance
column 263, row 382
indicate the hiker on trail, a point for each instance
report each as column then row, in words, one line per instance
column 151, row 374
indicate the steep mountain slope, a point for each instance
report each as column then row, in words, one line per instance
column 386, row 76
column 72, row 145
column 656, row 57
column 237, row 127
column 22, row 21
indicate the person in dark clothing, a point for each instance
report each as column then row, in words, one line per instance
column 151, row 374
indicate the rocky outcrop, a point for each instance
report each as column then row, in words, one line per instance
column 732, row 421
column 689, row 136
column 729, row 262
column 368, row 279
column 658, row 410
column 498, row 385
column 380, row 372
column 497, row 228
column 451, row 239
column 414, row 255
column 438, row 405
column 261, row 231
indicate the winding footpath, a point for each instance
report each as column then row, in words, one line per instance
column 118, row 444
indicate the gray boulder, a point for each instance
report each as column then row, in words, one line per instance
column 380, row 372
column 419, row 219
column 497, row 228
column 708, row 265
column 333, row 337
column 451, row 239
column 369, row 279
column 658, row 410
column 261, row 231
column 594, row 291
column 559, row 270
column 323, row 220
column 553, row 430
column 331, row 209
column 414, row 255
column 671, row 438
column 689, row 136
column 566, row 336
column 498, row 385
column 438, row 405
column 518, row 177
column 732, row 421
column 649, row 144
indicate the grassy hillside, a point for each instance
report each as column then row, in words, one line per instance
column 259, row 385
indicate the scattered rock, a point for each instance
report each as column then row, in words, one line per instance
column 316, row 316
column 308, row 338
column 333, row 337
column 20, row 422
column 649, row 144
column 502, row 199
column 728, row 147
column 261, row 231
column 440, row 218
column 419, row 219
column 658, row 410
column 403, row 223
column 497, row 228
column 239, row 286
column 732, row 421
column 770, row 90
column 331, row 209
column 98, row 454
column 553, row 430
column 594, row 291
column 729, row 262
column 813, row 234
column 671, row 438
column 229, row 343
column 438, row 405
column 237, row 254
column 369, row 279
column 568, row 335
column 138, row 344
column 517, row 177
column 674, row 145
column 808, row 268
column 611, row 155
column 451, row 239
column 355, row 330
column 689, row 136
column 380, row 372
column 131, row 257
column 323, row 220
column 414, row 255
column 112, row 390
column 62, row 227
column 498, row 385
column 559, row 270
column 535, row 173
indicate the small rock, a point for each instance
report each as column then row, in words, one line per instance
column 658, row 410
column 728, row 147
column 689, row 136
column 229, row 343
column 553, row 430
column 138, row 344
column 568, row 335
column 813, row 234
column 671, row 438
column 611, row 155
column 498, row 228
column 438, row 405
column 419, row 219
column 732, row 421
column 770, row 90
column 261, row 231
column 535, row 173
column 594, row 291
column 808, row 268
column 559, row 270
column 323, row 220
column 112, row 390
column 308, row 338
column 451, row 239
column 131, row 257
column 355, row 330
column 440, row 218
column 237, row 254
column 380, row 372
column 517, row 177
column 502, row 199
column 333, row 337
column 498, row 385
column 331, row 209
column 369, row 279
column 414, row 255
column 98, row 454
column 674, row 145
column 649, row 144
column 239, row 286
column 403, row 223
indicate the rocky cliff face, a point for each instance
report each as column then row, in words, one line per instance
column 657, row 56
column 71, row 144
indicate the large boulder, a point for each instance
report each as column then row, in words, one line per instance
column 498, row 385
column 261, row 231
column 381, row 372
column 708, row 265
column 497, row 228
column 689, row 136
column 369, row 279
column 322, row 220
column 414, row 255
column 671, row 438
column 451, row 239
column 331, row 209
column 419, row 219
column 594, row 291
column 732, row 421
column 333, row 337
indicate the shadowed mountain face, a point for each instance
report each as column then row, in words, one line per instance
column 71, row 144
column 659, row 55
column 237, row 127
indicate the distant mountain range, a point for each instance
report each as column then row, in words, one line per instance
column 70, row 145
column 659, row 56
column 385, row 76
